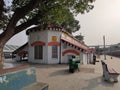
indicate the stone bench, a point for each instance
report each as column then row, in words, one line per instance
column 109, row 73
column 20, row 78
column 36, row 86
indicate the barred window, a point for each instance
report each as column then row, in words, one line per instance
column 38, row 52
column 54, row 51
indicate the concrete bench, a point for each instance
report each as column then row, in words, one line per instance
column 36, row 86
column 109, row 73
column 20, row 78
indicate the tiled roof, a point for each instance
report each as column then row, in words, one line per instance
column 56, row 28
column 38, row 28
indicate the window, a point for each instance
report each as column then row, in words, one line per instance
column 38, row 52
column 54, row 51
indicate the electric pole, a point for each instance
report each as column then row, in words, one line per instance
column 104, row 47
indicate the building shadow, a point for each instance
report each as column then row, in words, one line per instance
column 38, row 65
column 60, row 72
column 97, row 82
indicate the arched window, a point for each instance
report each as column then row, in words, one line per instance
column 38, row 52
column 54, row 51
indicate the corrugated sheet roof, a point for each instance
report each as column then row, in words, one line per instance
column 10, row 48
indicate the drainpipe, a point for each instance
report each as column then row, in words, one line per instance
column 104, row 47
column 60, row 51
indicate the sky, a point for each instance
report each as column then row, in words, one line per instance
column 103, row 20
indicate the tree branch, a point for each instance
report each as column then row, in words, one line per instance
column 1, row 8
column 33, row 21
column 18, row 14
column 21, row 12
column 25, row 25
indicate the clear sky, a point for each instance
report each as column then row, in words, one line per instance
column 104, row 19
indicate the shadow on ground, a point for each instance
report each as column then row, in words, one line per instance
column 60, row 72
column 97, row 83
column 48, row 65
column 87, row 70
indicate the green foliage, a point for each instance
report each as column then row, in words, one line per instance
column 59, row 12
column 19, row 3
column 3, row 17
column 80, row 37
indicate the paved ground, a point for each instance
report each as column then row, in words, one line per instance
column 58, row 77
column 9, row 63
column 89, row 77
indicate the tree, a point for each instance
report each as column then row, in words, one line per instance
column 21, row 14
column 79, row 37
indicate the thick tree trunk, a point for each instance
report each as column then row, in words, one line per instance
column 1, row 57
column 1, row 8
column 11, row 28
column 4, row 37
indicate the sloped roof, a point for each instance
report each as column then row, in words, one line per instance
column 67, row 37
column 56, row 28
column 49, row 27
column 20, row 48
column 10, row 48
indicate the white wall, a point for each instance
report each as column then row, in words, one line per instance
column 65, row 58
column 50, row 34
column 81, row 57
column 90, row 57
column 45, row 36
column 85, row 58
column 38, row 36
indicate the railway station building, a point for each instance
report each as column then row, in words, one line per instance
column 52, row 45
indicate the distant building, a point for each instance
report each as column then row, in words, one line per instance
column 52, row 45
column 8, row 49
column 114, row 50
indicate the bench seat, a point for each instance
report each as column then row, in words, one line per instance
column 112, row 71
column 109, row 73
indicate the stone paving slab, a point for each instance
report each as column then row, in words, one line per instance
column 36, row 86
column 59, row 78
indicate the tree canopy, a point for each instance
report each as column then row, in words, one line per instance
column 59, row 12
column 19, row 15
column 80, row 37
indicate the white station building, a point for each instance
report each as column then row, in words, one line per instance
column 52, row 45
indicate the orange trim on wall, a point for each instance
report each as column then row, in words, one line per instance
column 54, row 43
column 38, row 43
column 70, row 51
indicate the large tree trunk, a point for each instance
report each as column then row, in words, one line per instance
column 1, row 8
column 2, row 44
column 12, row 29
column 4, row 37
column 1, row 58
column 1, row 54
